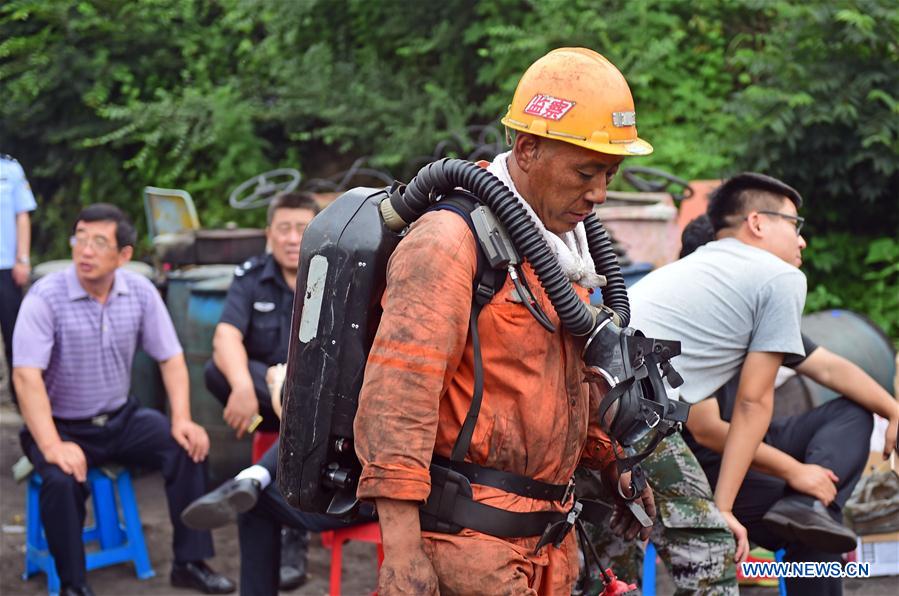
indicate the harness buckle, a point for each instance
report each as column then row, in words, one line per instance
column 555, row 532
column 483, row 293
column 437, row 514
column 569, row 490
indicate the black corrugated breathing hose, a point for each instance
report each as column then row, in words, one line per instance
column 614, row 294
column 443, row 176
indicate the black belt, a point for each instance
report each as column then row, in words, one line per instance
column 507, row 481
column 450, row 508
column 97, row 420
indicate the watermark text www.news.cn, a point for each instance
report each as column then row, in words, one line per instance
column 805, row 569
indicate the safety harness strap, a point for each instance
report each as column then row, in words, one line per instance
column 450, row 508
column 522, row 486
column 467, row 513
column 463, row 440
column 487, row 282
column 630, row 462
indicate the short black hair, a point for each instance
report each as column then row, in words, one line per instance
column 291, row 200
column 737, row 195
column 125, row 234
column 695, row 234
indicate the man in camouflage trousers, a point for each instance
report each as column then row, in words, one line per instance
column 689, row 533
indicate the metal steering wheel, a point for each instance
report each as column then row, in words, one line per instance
column 259, row 190
column 655, row 180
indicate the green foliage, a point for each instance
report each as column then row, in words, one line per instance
column 859, row 274
column 102, row 97
column 823, row 108
column 673, row 53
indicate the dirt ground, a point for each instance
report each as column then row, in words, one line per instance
column 359, row 559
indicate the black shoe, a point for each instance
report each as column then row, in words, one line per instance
column 292, row 574
column 84, row 590
column 198, row 576
column 291, row 577
column 796, row 521
column 221, row 506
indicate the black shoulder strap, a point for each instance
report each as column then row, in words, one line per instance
column 487, row 282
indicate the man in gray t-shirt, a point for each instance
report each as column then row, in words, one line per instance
column 726, row 299
column 810, row 461
column 735, row 303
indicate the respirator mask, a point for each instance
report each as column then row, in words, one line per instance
column 630, row 367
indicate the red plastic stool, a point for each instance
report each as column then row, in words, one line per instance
column 334, row 540
column 262, row 440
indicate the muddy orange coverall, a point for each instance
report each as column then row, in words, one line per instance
column 534, row 419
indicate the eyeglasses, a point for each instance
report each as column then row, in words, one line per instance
column 98, row 243
column 797, row 221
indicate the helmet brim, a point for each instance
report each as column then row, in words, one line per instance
column 632, row 148
column 636, row 148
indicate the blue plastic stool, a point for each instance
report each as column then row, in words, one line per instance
column 121, row 538
column 649, row 571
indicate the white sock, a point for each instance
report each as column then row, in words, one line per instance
column 257, row 473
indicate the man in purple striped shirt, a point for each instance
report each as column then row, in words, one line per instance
column 74, row 342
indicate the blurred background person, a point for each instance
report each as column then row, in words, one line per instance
column 16, row 203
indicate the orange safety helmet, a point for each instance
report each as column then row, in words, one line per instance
column 577, row 96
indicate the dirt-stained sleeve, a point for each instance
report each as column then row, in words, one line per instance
column 599, row 452
column 416, row 351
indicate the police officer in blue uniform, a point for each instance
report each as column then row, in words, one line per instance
column 16, row 202
column 251, row 337
column 254, row 330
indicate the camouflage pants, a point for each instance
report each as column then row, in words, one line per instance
column 690, row 534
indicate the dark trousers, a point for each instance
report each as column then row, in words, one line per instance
column 10, row 300
column 259, row 530
column 134, row 436
column 218, row 386
column 835, row 435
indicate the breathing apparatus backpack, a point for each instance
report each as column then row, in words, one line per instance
column 337, row 309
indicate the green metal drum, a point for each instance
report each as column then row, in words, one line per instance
column 203, row 309
column 178, row 286
column 856, row 338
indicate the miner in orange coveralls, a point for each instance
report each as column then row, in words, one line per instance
column 575, row 122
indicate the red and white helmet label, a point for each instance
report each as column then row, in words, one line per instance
column 549, row 107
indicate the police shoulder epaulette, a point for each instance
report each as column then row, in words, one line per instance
column 248, row 265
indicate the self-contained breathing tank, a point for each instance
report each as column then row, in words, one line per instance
column 336, row 313
column 337, row 310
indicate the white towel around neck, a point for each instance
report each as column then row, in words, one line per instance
column 570, row 248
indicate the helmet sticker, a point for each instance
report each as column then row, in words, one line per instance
column 621, row 119
column 549, row 107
